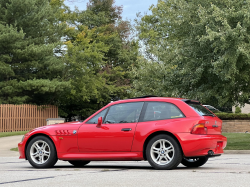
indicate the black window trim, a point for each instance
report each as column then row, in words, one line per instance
column 104, row 117
column 145, row 107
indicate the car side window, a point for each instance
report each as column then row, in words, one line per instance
column 124, row 113
column 94, row 119
column 160, row 111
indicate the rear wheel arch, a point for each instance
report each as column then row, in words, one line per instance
column 33, row 136
column 155, row 134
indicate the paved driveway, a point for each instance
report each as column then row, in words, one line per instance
column 6, row 143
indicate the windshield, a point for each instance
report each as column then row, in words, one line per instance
column 201, row 109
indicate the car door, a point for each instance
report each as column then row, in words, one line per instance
column 115, row 134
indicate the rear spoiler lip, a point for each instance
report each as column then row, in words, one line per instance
column 190, row 101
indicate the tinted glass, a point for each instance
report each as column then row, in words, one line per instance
column 124, row 113
column 210, row 107
column 200, row 109
column 160, row 111
column 94, row 120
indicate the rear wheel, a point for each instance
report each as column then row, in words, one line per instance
column 194, row 162
column 41, row 152
column 78, row 163
column 163, row 152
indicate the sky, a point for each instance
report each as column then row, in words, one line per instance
column 130, row 7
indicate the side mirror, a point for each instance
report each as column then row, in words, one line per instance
column 99, row 123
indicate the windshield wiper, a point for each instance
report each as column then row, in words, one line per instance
column 208, row 115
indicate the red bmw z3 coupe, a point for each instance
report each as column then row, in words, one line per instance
column 163, row 131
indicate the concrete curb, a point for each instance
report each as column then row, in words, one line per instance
column 237, row 151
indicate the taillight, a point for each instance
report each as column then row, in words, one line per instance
column 199, row 129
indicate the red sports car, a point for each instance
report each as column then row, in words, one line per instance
column 163, row 131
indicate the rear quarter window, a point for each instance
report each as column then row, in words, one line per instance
column 160, row 111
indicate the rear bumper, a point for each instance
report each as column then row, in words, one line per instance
column 201, row 145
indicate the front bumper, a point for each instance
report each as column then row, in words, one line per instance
column 21, row 149
column 201, row 145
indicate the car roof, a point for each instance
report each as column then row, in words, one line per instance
column 141, row 99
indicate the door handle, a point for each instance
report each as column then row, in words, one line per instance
column 126, row 129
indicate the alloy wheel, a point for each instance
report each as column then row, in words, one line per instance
column 40, row 152
column 162, row 152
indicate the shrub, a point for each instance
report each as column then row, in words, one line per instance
column 232, row 116
column 237, row 110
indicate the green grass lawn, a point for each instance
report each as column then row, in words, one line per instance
column 4, row 134
column 237, row 141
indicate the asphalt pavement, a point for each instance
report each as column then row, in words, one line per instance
column 229, row 170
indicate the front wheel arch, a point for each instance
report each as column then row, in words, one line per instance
column 33, row 136
column 155, row 134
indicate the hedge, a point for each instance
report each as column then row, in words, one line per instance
column 232, row 116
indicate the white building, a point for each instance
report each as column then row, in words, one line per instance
column 245, row 109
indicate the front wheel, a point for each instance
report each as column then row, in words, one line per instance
column 163, row 152
column 78, row 163
column 194, row 162
column 41, row 152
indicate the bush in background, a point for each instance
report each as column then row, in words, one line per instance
column 237, row 110
column 232, row 116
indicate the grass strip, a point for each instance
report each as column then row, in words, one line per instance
column 237, row 141
column 14, row 149
column 5, row 134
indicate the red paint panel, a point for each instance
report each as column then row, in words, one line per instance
column 213, row 125
column 65, row 144
column 199, row 145
column 109, row 137
column 173, row 126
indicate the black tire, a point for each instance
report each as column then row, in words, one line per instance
column 78, row 163
column 194, row 162
column 168, row 159
column 34, row 154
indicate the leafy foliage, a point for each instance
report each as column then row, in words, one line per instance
column 98, row 58
column 201, row 48
column 237, row 110
column 30, row 34
column 232, row 116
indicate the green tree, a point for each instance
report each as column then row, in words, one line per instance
column 30, row 38
column 98, row 58
column 203, row 46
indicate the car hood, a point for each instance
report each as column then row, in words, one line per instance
column 55, row 129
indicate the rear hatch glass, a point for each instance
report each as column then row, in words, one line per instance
column 212, row 123
column 203, row 111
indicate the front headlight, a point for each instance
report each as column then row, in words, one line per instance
column 23, row 138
